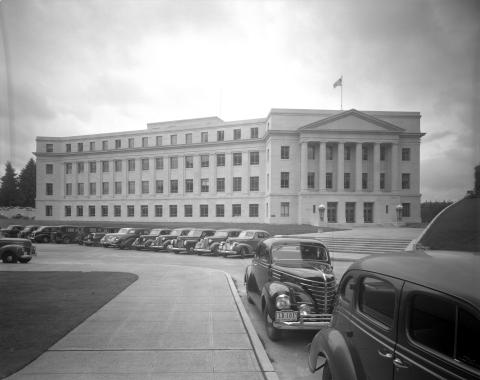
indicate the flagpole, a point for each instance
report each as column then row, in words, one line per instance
column 341, row 95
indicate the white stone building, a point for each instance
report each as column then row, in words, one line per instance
column 360, row 166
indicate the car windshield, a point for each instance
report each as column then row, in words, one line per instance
column 221, row 234
column 246, row 234
column 195, row 233
column 125, row 231
column 455, row 229
column 176, row 232
column 11, row 227
column 299, row 252
column 155, row 231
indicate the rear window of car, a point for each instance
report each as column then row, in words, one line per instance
column 376, row 299
column 246, row 234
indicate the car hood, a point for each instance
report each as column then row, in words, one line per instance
column 314, row 271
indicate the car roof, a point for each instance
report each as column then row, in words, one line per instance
column 450, row 272
column 293, row 239
column 256, row 231
column 229, row 229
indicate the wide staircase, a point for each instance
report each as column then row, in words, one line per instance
column 354, row 245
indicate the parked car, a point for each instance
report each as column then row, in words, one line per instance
column 145, row 241
column 11, row 231
column 93, row 239
column 161, row 243
column 25, row 233
column 187, row 243
column 244, row 244
column 65, row 234
column 210, row 245
column 43, row 234
column 16, row 249
column 292, row 283
column 84, row 231
column 410, row 316
column 124, row 238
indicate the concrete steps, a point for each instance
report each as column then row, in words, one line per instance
column 364, row 246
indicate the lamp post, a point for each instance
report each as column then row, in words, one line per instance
column 399, row 210
column 321, row 215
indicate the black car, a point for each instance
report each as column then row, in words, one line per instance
column 414, row 315
column 65, row 234
column 11, row 231
column 161, row 243
column 43, row 234
column 145, row 241
column 93, row 239
column 291, row 281
column 16, row 249
column 83, row 232
column 124, row 238
column 211, row 244
column 187, row 243
column 25, row 233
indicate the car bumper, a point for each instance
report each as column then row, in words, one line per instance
column 228, row 252
column 176, row 249
column 202, row 250
column 307, row 322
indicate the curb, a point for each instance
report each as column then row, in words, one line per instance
column 265, row 364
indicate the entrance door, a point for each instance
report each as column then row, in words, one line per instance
column 368, row 212
column 350, row 212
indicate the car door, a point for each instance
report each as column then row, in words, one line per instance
column 260, row 271
column 373, row 325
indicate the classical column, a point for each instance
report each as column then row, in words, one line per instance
column 376, row 167
column 358, row 167
column 340, row 166
column 322, row 172
column 303, row 166
column 394, row 168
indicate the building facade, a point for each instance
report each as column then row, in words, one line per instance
column 294, row 166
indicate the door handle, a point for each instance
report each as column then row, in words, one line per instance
column 386, row 354
column 399, row 363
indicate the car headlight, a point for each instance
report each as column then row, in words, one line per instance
column 116, row 239
column 282, row 302
column 304, row 309
column 235, row 244
column 210, row 241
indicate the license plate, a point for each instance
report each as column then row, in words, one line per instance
column 286, row 316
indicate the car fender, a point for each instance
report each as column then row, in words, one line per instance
column 215, row 244
column 11, row 248
column 243, row 245
column 331, row 344
column 270, row 291
column 248, row 272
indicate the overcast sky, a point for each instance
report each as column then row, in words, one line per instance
column 71, row 67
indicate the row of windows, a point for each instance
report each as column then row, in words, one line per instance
column 173, row 210
column 347, row 153
column 347, row 180
column 145, row 141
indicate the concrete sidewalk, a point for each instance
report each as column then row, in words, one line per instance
column 180, row 323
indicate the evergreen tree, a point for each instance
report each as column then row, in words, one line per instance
column 27, row 182
column 9, row 187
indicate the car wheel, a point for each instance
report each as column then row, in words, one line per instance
column 243, row 252
column 225, row 254
column 326, row 375
column 24, row 261
column 272, row 332
column 9, row 258
column 190, row 249
column 215, row 251
column 66, row 240
column 46, row 239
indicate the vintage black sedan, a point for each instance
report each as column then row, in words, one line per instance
column 145, row 241
column 11, row 231
column 161, row 243
column 210, row 245
column 186, row 244
column 124, row 238
column 291, row 281
column 13, row 250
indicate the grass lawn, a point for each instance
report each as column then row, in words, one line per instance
column 39, row 308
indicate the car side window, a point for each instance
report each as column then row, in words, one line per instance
column 347, row 290
column 376, row 299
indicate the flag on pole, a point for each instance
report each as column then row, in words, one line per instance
column 338, row 82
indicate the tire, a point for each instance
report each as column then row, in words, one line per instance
column 66, row 240
column 225, row 254
column 24, row 261
column 243, row 252
column 9, row 258
column 326, row 374
column 190, row 250
column 273, row 333
column 215, row 251
column 45, row 239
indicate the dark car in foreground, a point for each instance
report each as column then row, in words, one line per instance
column 13, row 250
column 161, row 243
column 291, row 281
column 25, row 233
column 210, row 245
column 11, row 231
column 187, row 243
column 414, row 315
column 244, row 244
column 43, row 234
column 145, row 241
column 124, row 238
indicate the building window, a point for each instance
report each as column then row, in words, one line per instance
column 204, row 160
column 254, row 133
column 105, row 189
column 237, row 134
column 118, row 165
column 68, row 168
column 131, row 187
column 80, row 188
column 68, row 147
column 368, row 212
column 118, row 187
column 118, row 144
column 220, row 185
column 144, row 142
column 253, row 210
column 131, row 165
column 188, row 138
column 406, row 210
column 220, row 135
column 285, row 152
column 92, row 165
column 144, row 211
column 350, row 212
column 104, row 144
column 204, row 137
column 284, row 180
column 80, row 167
column 79, row 147
column 329, row 152
column 332, row 212
column 105, row 166
column 93, row 188
column 254, row 183
column 204, row 185
column 49, row 169
column 145, row 187
column 145, row 163
column 79, row 210
column 159, row 163
column 117, row 211
column 220, row 159
column 382, row 181
column 237, row 159
column 172, row 209
column 219, row 211
column 91, row 210
column 383, row 152
column 236, row 210
column 405, row 180
column 347, row 152
column 159, row 186
column 346, row 180
column 173, row 139
column 188, row 162
column 173, row 186
column 237, row 184
column 405, row 154
column 204, row 211
column 131, row 142
column 49, row 148
column 364, row 181
column 364, row 153
column 174, row 162
column 130, row 210
column 188, row 211
column 92, row 145
column 284, row 209
column 158, row 140
column 104, row 210
column 189, row 185
column 310, row 152
column 254, row 158
column 158, row 211
column 68, row 210
column 329, row 180
column 68, row 189
column 311, row 180
column 49, row 188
